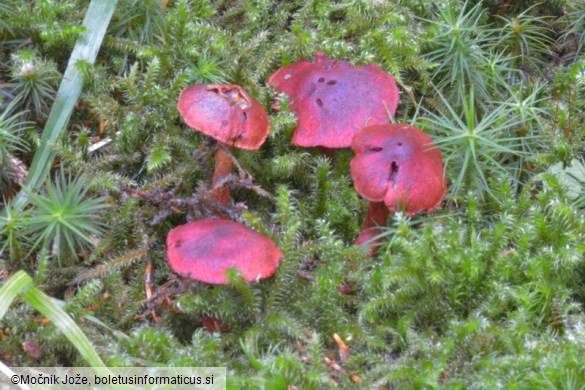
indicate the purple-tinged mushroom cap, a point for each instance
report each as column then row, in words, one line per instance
column 225, row 112
column 333, row 100
column 400, row 166
column 204, row 250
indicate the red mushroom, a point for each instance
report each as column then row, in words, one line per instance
column 396, row 167
column 204, row 250
column 228, row 114
column 333, row 100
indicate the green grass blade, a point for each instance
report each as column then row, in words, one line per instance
column 50, row 309
column 96, row 22
column 11, row 289
column 22, row 284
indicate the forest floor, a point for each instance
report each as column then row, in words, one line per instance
column 484, row 288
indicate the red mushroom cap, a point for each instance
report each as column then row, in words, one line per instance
column 225, row 112
column 399, row 165
column 333, row 100
column 204, row 250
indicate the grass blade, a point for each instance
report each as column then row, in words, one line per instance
column 50, row 309
column 96, row 22
column 21, row 283
column 11, row 289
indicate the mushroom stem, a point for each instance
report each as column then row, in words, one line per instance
column 377, row 216
column 223, row 167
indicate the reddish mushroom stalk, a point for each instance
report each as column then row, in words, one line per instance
column 223, row 167
column 376, row 217
column 231, row 116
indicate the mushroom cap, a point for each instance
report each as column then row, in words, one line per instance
column 226, row 113
column 399, row 165
column 204, row 250
column 333, row 100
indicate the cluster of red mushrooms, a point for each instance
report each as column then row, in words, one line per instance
column 396, row 167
